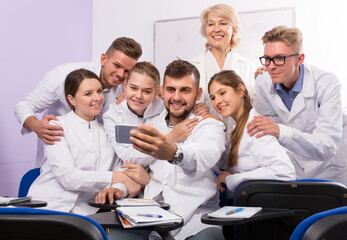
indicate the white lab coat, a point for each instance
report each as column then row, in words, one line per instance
column 190, row 193
column 49, row 95
column 77, row 167
column 208, row 66
column 259, row 158
column 314, row 131
column 120, row 114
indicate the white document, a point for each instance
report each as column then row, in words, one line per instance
column 8, row 201
column 134, row 202
column 247, row 212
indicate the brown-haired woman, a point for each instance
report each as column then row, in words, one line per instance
column 249, row 157
column 80, row 165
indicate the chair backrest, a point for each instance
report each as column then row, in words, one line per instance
column 331, row 224
column 28, row 223
column 304, row 197
column 27, row 180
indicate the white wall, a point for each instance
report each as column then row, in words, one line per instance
column 324, row 39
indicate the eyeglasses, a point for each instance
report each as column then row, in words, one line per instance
column 278, row 61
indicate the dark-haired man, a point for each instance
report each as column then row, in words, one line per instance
column 182, row 173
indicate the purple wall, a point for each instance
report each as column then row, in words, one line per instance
column 35, row 36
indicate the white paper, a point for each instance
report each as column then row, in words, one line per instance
column 8, row 200
column 247, row 212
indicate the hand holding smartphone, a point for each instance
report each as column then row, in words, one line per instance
column 123, row 133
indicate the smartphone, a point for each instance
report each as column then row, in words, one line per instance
column 123, row 133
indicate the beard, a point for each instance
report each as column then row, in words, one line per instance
column 183, row 114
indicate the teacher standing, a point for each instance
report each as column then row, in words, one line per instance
column 220, row 25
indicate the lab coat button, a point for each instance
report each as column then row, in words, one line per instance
column 165, row 182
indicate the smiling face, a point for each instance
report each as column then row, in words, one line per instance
column 88, row 99
column 140, row 90
column 288, row 73
column 115, row 68
column 219, row 32
column 226, row 101
column 180, row 95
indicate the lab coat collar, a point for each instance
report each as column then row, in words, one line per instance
column 201, row 58
column 153, row 109
column 308, row 90
column 74, row 117
column 168, row 123
column 308, row 87
column 233, row 55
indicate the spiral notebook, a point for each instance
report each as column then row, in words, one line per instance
column 145, row 216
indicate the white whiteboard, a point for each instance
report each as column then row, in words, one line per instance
column 181, row 38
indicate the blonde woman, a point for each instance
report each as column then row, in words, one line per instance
column 220, row 25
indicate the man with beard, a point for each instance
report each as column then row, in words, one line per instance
column 182, row 173
column 49, row 95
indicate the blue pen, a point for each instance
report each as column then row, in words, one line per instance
column 215, row 173
column 144, row 215
column 149, row 215
column 234, row 211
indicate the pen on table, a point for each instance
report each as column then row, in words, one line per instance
column 236, row 210
column 149, row 215
column 144, row 215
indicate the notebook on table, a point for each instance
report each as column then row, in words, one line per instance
column 145, row 216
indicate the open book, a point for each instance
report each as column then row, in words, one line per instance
column 234, row 212
column 4, row 201
column 145, row 216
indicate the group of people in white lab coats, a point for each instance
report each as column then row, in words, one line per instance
column 203, row 121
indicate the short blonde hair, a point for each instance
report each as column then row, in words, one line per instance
column 229, row 14
column 291, row 36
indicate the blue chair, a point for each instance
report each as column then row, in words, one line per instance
column 27, row 180
column 329, row 225
column 305, row 197
column 29, row 223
